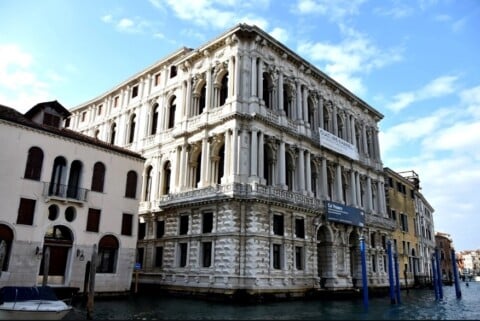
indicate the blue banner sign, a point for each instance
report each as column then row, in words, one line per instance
column 344, row 214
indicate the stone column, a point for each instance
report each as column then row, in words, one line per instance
column 280, row 90
column 324, row 178
column 281, row 167
column 260, row 155
column 238, row 73
column 254, row 76
column 358, row 189
column 364, row 139
column 301, row 170
column 308, row 174
column 253, row 153
column 260, row 79
column 369, row 193
column 208, row 90
column 305, row 107
column 299, row 106
column 334, row 120
column 235, row 152
column 353, row 186
column 231, row 77
column 338, row 183
column 320, row 112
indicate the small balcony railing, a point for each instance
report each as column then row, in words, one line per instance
column 64, row 191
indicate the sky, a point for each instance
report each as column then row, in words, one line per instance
column 415, row 61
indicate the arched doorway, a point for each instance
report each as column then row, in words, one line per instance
column 6, row 238
column 57, row 243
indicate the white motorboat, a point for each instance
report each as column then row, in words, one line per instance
column 31, row 303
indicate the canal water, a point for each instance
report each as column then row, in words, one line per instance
column 415, row 305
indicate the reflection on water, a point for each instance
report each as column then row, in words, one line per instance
column 415, row 305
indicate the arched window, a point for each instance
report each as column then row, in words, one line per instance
column 58, row 177
column 74, row 179
column 113, row 131
column 33, row 169
column 131, row 185
column 98, row 177
column 171, row 112
column 107, row 254
column 223, row 90
column 202, row 100
column 153, row 129
column 6, row 238
column 131, row 134
column 148, row 183
column 166, row 177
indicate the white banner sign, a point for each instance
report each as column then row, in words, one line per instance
column 337, row 144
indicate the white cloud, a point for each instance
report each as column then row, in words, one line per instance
column 280, row 34
column 128, row 25
column 447, row 158
column 438, row 87
column 217, row 14
column 346, row 61
column 20, row 86
column 334, row 10
column 398, row 11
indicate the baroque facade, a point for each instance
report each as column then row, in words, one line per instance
column 64, row 203
column 250, row 150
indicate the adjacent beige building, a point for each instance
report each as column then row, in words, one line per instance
column 65, row 195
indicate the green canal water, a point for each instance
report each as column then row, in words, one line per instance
column 415, row 305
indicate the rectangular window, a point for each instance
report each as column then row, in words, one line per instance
column 173, row 71
column 135, row 91
column 374, row 263
column 183, row 224
column 159, row 256
column 51, row 120
column 99, row 110
column 300, row 228
column 142, row 228
column 277, row 256
column 115, row 101
column 84, row 114
column 206, row 254
column 299, row 257
column 278, row 224
column 156, row 80
column 404, row 222
column 127, row 221
column 26, row 209
column 183, row 247
column 207, row 222
column 93, row 220
column 160, row 229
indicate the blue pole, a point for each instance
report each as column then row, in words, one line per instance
column 455, row 275
column 364, row 272
column 390, row 272
column 397, row 278
column 439, row 275
column 434, row 277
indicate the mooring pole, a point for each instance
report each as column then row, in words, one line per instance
column 439, row 275
column 434, row 274
column 390, row 272
column 455, row 275
column 91, row 288
column 397, row 278
column 364, row 272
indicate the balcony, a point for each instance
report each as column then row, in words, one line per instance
column 64, row 192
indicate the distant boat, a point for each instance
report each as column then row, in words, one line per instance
column 476, row 278
column 31, row 303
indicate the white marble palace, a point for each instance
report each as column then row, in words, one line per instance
column 262, row 173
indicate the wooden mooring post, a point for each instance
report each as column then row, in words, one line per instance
column 91, row 283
